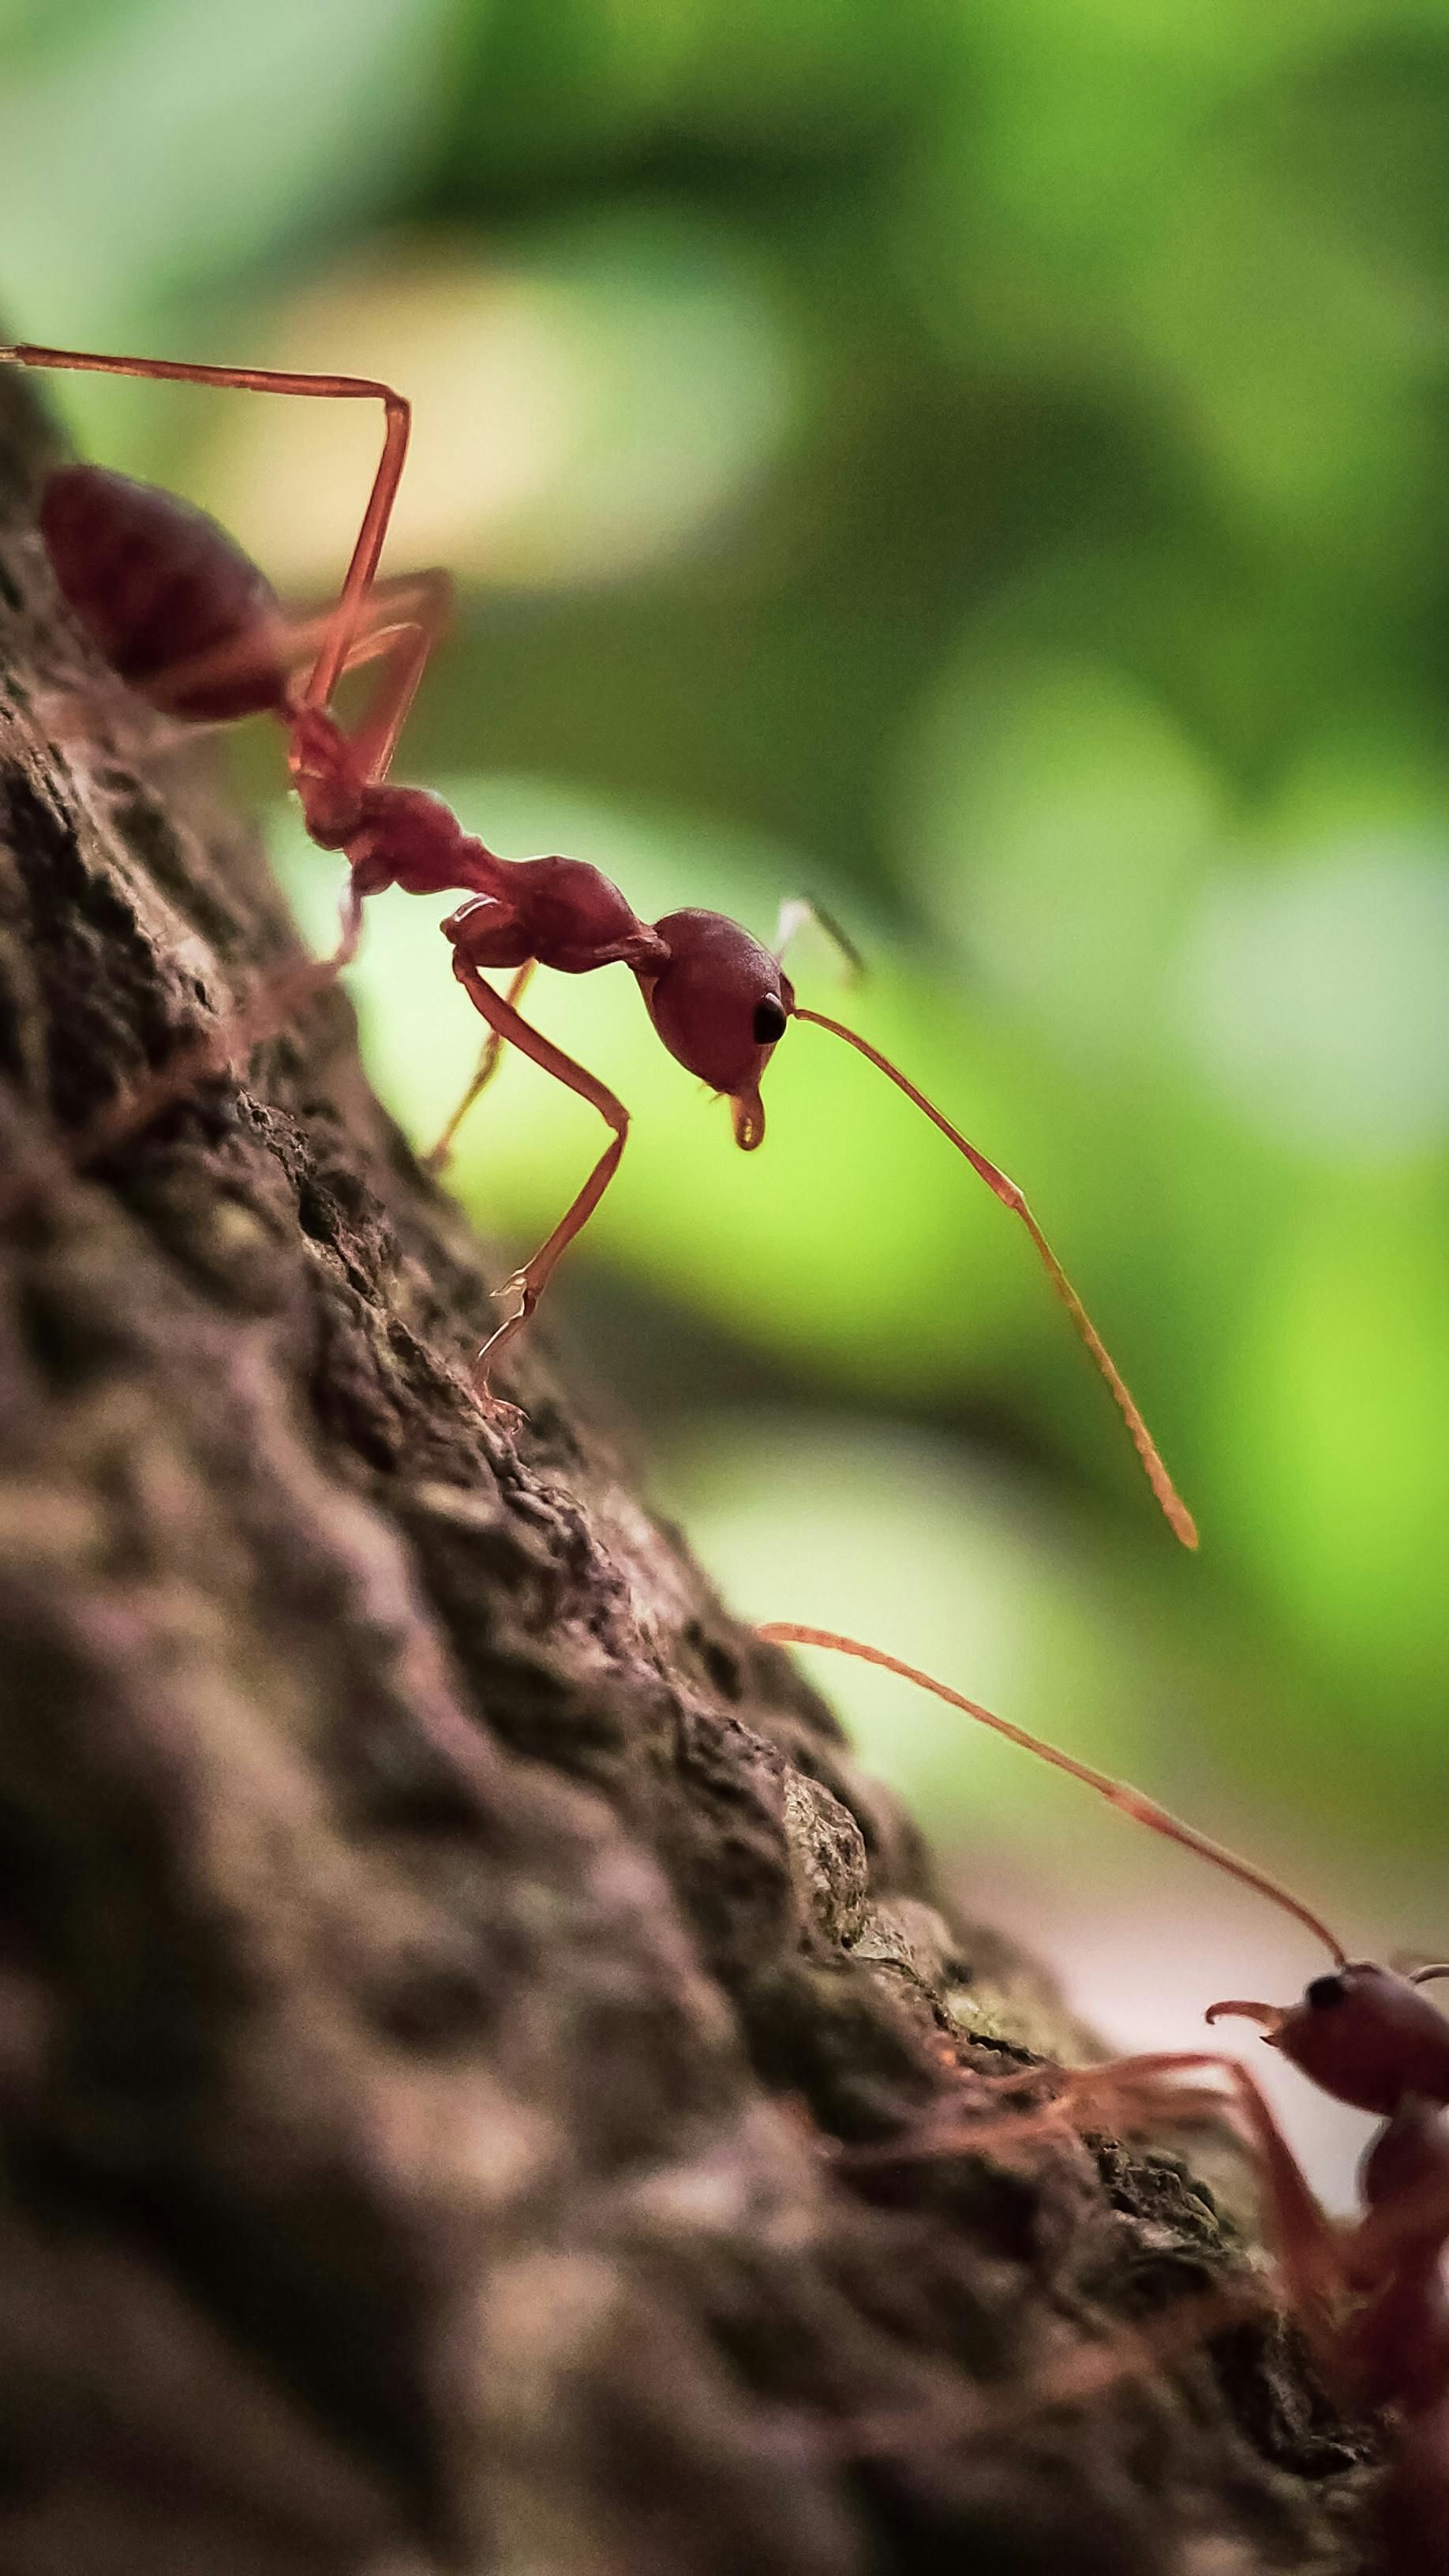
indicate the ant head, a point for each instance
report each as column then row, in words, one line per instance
column 720, row 1003
column 1365, row 2035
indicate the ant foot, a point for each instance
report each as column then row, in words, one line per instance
column 495, row 1409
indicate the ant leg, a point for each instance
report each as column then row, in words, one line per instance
column 1312, row 2254
column 411, row 641
column 1136, row 2352
column 402, row 621
column 1311, row 2251
column 392, row 610
column 1130, row 2092
column 533, row 1278
column 263, row 1015
column 1092, row 2370
column 1134, row 2092
column 437, row 1159
column 410, row 610
column 349, row 935
column 397, row 411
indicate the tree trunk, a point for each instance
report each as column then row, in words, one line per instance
column 441, row 1951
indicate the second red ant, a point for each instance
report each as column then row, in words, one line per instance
column 1371, row 2295
column 184, row 617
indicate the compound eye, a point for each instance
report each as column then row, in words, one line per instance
column 770, row 1021
column 1325, row 1992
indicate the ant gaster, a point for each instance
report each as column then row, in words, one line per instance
column 1370, row 2295
column 180, row 613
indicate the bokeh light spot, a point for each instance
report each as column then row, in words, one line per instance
column 1057, row 822
column 582, row 408
column 1313, row 997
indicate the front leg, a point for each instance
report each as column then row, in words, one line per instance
column 530, row 1282
column 1311, row 2250
column 439, row 1155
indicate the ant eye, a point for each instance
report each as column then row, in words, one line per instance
column 1325, row 1992
column 771, row 1020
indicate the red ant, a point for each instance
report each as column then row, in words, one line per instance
column 183, row 616
column 1372, row 2295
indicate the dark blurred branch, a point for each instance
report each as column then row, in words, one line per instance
column 437, row 1947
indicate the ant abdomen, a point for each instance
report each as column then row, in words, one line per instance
column 159, row 587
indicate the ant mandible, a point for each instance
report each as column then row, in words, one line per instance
column 184, row 616
column 1371, row 2295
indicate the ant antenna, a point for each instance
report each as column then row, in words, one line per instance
column 797, row 913
column 1118, row 1793
column 1179, row 1517
column 1426, row 1976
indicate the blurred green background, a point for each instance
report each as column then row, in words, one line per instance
column 986, row 466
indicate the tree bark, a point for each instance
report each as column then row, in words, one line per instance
column 440, row 1952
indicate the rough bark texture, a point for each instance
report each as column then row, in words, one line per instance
column 438, row 1949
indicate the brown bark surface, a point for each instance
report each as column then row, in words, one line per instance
column 439, row 1950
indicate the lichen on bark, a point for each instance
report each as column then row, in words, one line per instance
column 440, row 1952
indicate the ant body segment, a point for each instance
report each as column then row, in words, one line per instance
column 182, row 615
column 1371, row 2295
